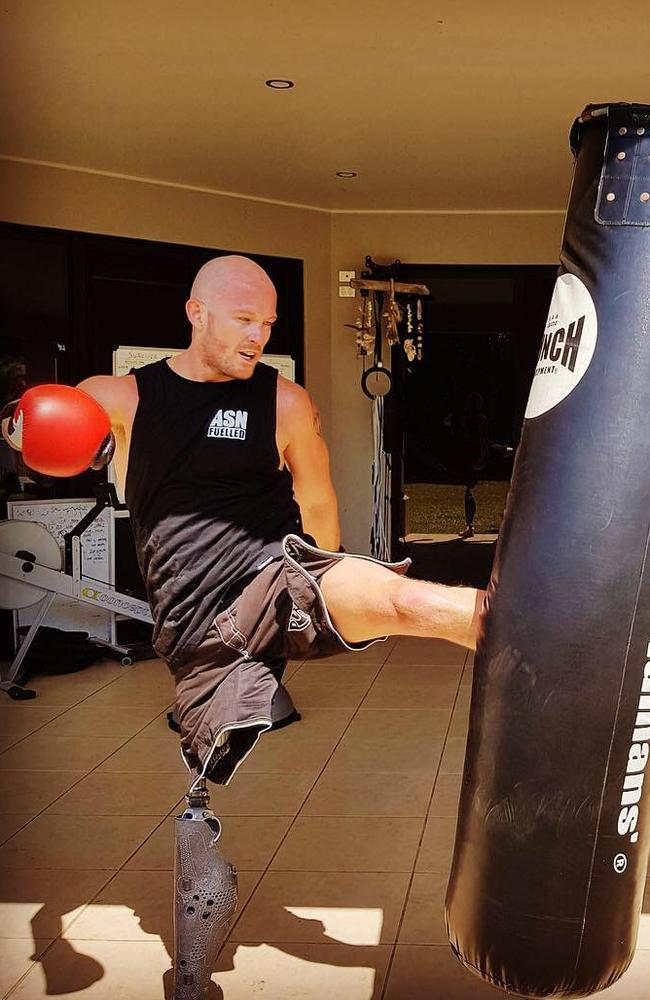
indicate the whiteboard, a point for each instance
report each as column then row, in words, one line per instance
column 59, row 517
column 126, row 358
column 283, row 362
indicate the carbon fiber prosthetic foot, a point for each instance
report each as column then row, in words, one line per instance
column 205, row 895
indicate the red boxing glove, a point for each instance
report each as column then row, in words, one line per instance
column 60, row 430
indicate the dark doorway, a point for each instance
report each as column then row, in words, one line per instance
column 436, row 390
column 482, row 328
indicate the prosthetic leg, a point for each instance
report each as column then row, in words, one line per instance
column 205, row 895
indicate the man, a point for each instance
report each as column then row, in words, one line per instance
column 235, row 521
column 210, row 504
column 471, row 442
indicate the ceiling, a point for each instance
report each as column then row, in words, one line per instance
column 439, row 106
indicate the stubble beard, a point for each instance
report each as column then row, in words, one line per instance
column 231, row 367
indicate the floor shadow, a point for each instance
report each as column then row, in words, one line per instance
column 67, row 970
column 347, row 955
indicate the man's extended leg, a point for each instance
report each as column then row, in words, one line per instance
column 366, row 600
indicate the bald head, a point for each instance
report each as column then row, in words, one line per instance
column 227, row 276
column 232, row 309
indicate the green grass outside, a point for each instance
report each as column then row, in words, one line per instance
column 436, row 508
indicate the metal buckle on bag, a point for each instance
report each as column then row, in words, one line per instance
column 624, row 188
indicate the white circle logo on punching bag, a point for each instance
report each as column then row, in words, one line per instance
column 567, row 345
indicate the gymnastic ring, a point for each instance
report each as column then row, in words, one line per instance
column 376, row 381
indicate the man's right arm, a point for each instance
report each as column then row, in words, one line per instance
column 118, row 396
column 110, row 395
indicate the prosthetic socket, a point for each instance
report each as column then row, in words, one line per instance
column 205, row 895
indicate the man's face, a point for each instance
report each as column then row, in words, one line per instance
column 239, row 323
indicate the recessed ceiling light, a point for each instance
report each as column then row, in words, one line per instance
column 280, row 84
column 346, row 173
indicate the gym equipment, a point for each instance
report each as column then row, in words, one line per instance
column 553, row 832
column 31, row 573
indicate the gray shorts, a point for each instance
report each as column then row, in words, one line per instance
column 225, row 687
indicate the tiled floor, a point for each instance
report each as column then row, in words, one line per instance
column 341, row 827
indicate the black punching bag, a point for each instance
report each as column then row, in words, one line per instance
column 553, row 832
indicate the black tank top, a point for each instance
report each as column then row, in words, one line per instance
column 207, row 500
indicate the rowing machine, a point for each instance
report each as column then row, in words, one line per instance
column 33, row 571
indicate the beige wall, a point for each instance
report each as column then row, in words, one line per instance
column 66, row 199
column 417, row 239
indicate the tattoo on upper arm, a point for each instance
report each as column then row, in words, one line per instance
column 316, row 418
